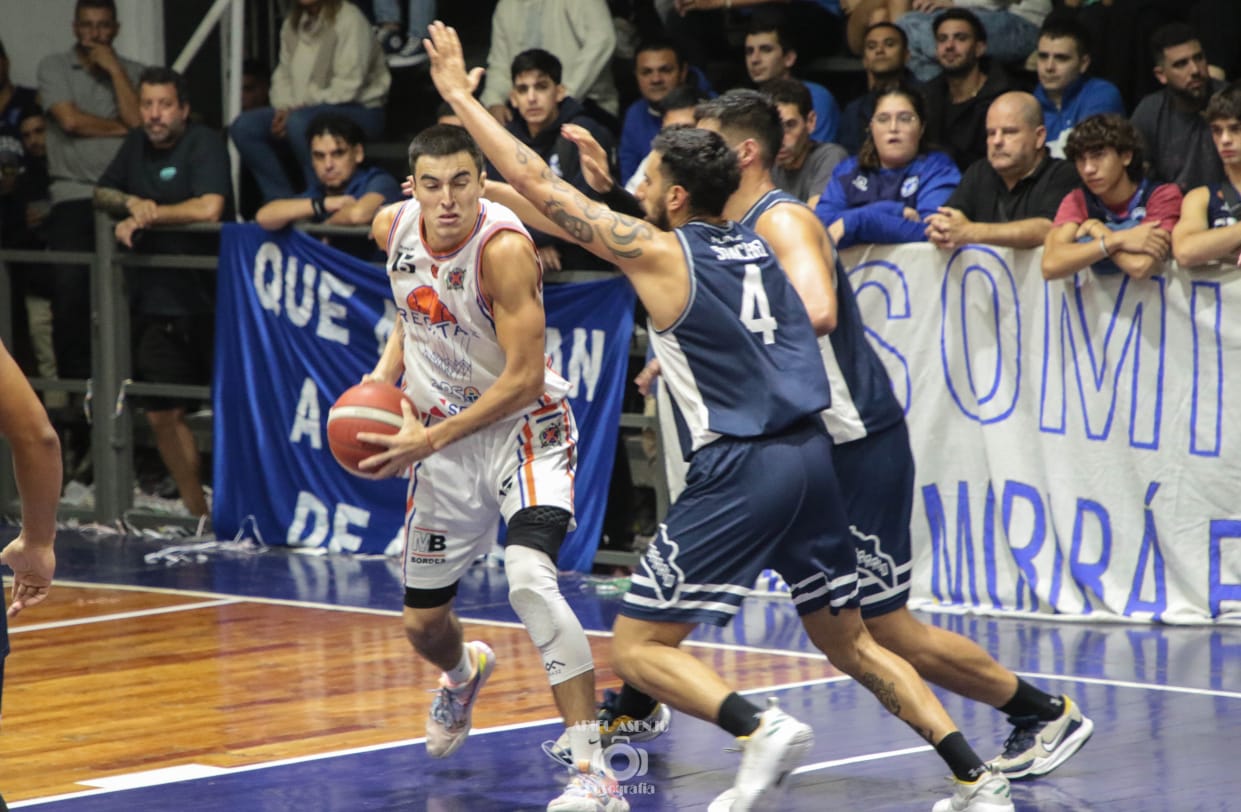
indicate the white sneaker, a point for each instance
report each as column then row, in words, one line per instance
column 448, row 724
column 990, row 793
column 593, row 791
column 1036, row 748
column 771, row 752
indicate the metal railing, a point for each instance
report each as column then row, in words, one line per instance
column 105, row 395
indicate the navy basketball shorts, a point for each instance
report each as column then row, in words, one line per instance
column 876, row 476
column 749, row 505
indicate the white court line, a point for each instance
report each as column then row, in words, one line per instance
column 121, row 783
column 499, row 624
column 841, row 762
column 1146, row 686
column 163, row 610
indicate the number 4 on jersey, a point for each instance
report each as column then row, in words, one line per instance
column 755, row 311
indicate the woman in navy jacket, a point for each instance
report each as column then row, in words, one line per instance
column 882, row 194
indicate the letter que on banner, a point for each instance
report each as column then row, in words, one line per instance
column 1075, row 449
column 298, row 323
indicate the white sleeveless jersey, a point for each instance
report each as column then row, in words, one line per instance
column 452, row 354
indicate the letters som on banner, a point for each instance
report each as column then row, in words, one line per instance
column 1093, row 459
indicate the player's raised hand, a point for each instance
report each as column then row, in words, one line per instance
column 592, row 156
column 448, row 63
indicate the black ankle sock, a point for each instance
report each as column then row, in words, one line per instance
column 738, row 715
column 1030, row 701
column 634, row 703
column 960, row 757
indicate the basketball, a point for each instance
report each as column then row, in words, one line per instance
column 369, row 406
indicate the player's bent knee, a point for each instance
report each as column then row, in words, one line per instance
column 534, row 594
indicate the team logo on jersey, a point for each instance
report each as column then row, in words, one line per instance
column 426, row 301
column 660, row 564
column 167, row 173
column 549, row 436
column 872, row 559
column 910, row 187
column 435, row 271
column 860, row 183
column 456, row 279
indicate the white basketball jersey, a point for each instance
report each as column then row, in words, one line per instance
column 452, row 354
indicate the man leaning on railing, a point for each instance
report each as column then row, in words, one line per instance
column 169, row 172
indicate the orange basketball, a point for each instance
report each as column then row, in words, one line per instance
column 369, row 406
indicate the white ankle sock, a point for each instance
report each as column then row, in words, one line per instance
column 464, row 670
column 584, row 744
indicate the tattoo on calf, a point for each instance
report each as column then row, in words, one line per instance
column 885, row 692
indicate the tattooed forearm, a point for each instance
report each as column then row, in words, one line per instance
column 111, row 200
column 576, row 227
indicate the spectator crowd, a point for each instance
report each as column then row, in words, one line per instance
column 1107, row 132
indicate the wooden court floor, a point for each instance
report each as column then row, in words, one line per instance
column 283, row 682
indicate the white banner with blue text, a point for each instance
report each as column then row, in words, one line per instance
column 299, row 322
column 1075, row 444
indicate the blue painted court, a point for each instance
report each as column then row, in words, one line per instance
column 1165, row 701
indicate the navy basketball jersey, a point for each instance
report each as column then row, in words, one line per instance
column 741, row 361
column 862, row 399
column 1223, row 204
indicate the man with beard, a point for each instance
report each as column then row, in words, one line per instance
column 169, row 172
column 712, row 289
column 885, row 53
column 1170, row 120
column 1008, row 198
column 803, row 166
column 957, row 100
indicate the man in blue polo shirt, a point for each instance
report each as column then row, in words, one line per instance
column 1065, row 93
column 346, row 191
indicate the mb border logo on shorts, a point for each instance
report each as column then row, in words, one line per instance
column 427, row 547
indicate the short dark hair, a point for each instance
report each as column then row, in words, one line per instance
column 1059, row 26
column 900, row 32
column 1107, row 130
column 868, row 155
column 1225, row 104
column 964, row 15
column 1170, row 36
column 537, row 59
column 440, row 140
column 700, row 162
column 661, row 44
column 749, row 114
column 3, row 54
column 253, row 67
column 771, row 21
column 156, row 75
column 106, row 5
column 337, row 126
column 681, row 97
column 790, row 91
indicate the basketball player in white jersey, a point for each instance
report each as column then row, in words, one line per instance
column 493, row 437
column 36, row 461
column 703, row 282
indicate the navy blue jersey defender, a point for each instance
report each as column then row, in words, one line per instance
column 745, row 375
column 873, row 461
column 862, row 398
column 741, row 360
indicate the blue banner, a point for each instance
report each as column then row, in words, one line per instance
column 299, row 322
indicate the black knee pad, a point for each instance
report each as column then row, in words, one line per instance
column 429, row 598
column 541, row 528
